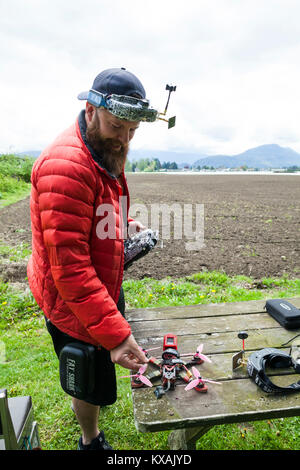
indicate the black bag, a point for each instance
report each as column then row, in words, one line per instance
column 76, row 369
column 284, row 312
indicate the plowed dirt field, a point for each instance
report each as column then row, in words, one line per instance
column 251, row 225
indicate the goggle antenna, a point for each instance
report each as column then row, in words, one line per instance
column 170, row 88
column 172, row 120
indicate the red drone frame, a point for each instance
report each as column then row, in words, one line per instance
column 171, row 367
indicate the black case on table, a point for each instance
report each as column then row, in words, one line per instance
column 284, row 312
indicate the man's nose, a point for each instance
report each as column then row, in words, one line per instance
column 124, row 136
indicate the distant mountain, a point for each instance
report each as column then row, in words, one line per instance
column 264, row 156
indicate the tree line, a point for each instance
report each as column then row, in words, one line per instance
column 149, row 164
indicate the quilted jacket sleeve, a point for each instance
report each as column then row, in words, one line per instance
column 66, row 191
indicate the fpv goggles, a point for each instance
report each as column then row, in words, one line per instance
column 130, row 108
column 275, row 359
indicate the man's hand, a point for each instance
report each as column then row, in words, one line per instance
column 128, row 354
column 135, row 227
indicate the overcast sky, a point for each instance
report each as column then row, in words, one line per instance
column 236, row 64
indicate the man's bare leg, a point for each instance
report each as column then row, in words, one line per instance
column 87, row 416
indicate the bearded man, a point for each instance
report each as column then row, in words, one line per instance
column 75, row 271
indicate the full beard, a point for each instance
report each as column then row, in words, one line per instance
column 112, row 160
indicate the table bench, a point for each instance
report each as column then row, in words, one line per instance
column 190, row 414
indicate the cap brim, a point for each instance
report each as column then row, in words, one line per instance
column 83, row 95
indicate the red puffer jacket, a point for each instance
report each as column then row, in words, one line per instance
column 74, row 275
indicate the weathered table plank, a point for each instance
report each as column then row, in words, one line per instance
column 197, row 326
column 201, row 310
column 215, row 343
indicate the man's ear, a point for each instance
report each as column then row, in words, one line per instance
column 90, row 110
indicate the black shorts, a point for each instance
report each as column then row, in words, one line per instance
column 105, row 390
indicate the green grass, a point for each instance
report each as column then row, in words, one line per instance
column 16, row 253
column 29, row 366
column 21, row 191
column 16, row 167
column 203, row 288
column 15, row 174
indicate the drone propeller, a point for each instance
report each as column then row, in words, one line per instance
column 202, row 356
column 140, row 376
column 198, row 354
column 198, row 380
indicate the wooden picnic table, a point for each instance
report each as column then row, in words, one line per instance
column 190, row 414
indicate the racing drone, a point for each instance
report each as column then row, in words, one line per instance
column 171, row 368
